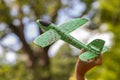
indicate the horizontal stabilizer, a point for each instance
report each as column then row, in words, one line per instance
column 96, row 45
column 105, row 49
column 87, row 55
column 90, row 55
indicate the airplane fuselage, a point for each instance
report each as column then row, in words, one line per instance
column 68, row 38
column 54, row 33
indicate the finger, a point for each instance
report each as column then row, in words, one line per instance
column 91, row 60
column 99, row 60
column 91, row 63
column 82, row 51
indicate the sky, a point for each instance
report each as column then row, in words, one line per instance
column 31, row 30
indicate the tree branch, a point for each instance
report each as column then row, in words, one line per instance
column 88, row 7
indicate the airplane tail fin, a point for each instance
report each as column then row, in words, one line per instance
column 98, row 46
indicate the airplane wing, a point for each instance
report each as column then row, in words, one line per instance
column 47, row 38
column 72, row 25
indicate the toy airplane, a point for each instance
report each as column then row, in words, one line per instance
column 54, row 33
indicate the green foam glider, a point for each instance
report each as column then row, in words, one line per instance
column 54, row 33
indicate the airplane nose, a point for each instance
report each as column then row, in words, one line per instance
column 45, row 23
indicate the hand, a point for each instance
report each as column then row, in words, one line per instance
column 83, row 67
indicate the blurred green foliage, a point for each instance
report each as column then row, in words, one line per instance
column 63, row 63
column 37, row 62
column 15, row 72
column 110, row 70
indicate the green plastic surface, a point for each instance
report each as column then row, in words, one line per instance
column 47, row 38
column 71, row 25
column 54, row 33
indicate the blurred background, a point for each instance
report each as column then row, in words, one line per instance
column 20, row 59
